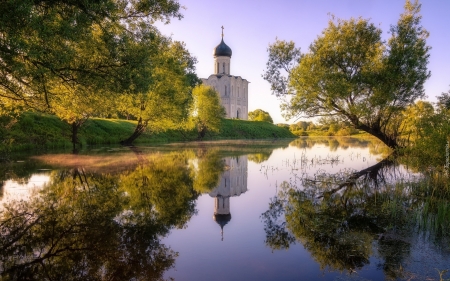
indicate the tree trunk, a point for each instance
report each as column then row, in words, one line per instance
column 376, row 132
column 75, row 141
column 140, row 128
column 201, row 131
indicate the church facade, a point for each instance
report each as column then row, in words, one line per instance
column 233, row 90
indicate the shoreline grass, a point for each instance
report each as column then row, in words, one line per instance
column 37, row 131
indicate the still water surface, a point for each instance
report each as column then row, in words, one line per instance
column 283, row 210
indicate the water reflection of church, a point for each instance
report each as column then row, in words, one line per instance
column 233, row 182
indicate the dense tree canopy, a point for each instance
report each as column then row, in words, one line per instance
column 207, row 110
column 167, row 101
column 260, row 115
column 349, row 72
column 49, row 46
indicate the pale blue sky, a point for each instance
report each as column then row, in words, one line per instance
column 250, row 25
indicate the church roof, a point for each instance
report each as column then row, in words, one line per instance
column 222, row 50
column 222, row 219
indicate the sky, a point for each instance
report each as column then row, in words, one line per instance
column 251, row 25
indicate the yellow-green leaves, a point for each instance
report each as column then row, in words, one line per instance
column 207, row 110
column 350, row 72
column 260, row 115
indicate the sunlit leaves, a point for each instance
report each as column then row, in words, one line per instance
column 260, row 115
column 207, row 111
column 207, row 171
column 351, row 73
column 45, row 45
column 283, row 57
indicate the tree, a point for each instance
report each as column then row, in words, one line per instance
column 166, row 102
column 350, row 73
column 207, row 172
column 75, row 109
column 49, row 45
column 162, row 187
column 260, row 115
column 413, row 116
column 80, row 227
column 207, row 111
column 444, row 101
column 68, row 58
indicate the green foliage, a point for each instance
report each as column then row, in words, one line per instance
column 444, row 101
column 283, row 58
column 282, row 125
column 259, row 115
column 413, row 118
column 207, row 111
column 206, row 175
column 242, row 129
column 350, row 73
column 346, row 132
column 301, row 125
column 32, row 131
column 44, row 53
column 82, row 227
column 166, row 102
column 428, row 136
column 162, row 187
column 259, row 157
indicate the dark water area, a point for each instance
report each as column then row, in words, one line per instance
column 304, row 209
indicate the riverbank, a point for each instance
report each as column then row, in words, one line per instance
column 34, row 131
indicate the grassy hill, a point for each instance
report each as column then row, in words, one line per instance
column 34, row 131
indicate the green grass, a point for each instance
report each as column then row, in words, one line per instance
column 35, row 131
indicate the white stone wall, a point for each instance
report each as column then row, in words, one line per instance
column 222, row 65
column 233, row 92
column 233, row 181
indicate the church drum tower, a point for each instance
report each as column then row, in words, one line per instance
column 233, row 90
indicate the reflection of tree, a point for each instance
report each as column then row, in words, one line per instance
column 206, row 175
column 259, row 157
column 334, row 142
column 86, row 226
column 162, row 187
column 338, row 218
column 20, row 172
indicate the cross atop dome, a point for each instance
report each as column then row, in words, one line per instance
column 222, row 50
column 233, row 90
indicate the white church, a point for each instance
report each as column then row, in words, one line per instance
column 233, row 183
column 233, row 90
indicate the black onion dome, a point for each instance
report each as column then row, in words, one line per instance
column 221, row 219
column 222, row 50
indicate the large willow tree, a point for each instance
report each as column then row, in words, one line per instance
column 351, row 73
column 74, row 59
column 51, row 48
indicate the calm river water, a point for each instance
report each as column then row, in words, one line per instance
column 307, row 209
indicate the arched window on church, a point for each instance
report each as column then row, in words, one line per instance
column 232, row 91
column 225, row 90
column 238, row 91
column 217, row 68
column 223, row 67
